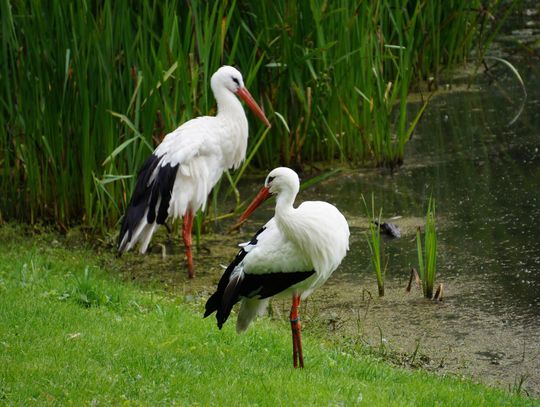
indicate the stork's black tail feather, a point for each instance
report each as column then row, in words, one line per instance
column 153, row 193
column 215, row 301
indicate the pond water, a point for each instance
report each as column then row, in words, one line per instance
column 485, row 177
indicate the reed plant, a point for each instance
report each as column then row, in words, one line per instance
column 88, row 89
column 373, row 238
column 427, row 253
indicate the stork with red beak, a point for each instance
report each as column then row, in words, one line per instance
column 293, row 254
column 177, row 178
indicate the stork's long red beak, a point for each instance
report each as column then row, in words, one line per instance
column 262, row 196
column 244, row 94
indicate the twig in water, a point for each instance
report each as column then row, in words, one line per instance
column 414, row 274
column 439, row 292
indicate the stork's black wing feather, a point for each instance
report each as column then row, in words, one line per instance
column 153, row 192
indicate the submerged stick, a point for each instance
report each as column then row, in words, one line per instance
column 414, row 274
column 439, row 292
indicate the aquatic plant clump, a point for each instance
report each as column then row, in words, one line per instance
column 427, row 254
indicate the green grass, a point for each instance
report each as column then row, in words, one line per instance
column 144, row 347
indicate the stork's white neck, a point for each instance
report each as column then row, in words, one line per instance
column 284, row 208
column 234, row 122
column 284, row 204
column 228, row 104
column 286, row 187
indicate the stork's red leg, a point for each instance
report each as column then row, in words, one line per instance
column 186, row 235
column 294, row 328
column 298, row 357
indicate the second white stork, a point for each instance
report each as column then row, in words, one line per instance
column 294, row 253
column 177, row 178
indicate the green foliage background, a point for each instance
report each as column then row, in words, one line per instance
column 89, row 88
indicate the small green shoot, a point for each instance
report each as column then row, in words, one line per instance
column 373, row 238
column 427, row 254
column 90, row 291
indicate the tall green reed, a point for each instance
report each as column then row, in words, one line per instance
column 341, row 74
column 89, row 89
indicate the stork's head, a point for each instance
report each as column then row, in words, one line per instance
column 230, row 78
column 281, row 181
column 227, row 77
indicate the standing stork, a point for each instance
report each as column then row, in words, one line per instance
column 177, row 178
column 294, row 253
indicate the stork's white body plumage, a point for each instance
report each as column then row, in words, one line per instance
column 200, row 150
column 293, row 254
column 298, row 241
column 203, row 148
column 313, row 236
column 183, row 169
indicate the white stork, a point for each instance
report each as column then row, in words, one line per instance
column 177, row 178
column 294, row 253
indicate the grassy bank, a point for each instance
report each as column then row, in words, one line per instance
column 72, row 333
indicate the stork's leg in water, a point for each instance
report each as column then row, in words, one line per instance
column 187, row 225
column 298, row 357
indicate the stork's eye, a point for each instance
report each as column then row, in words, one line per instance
column 235, row 80
column 270, row 179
